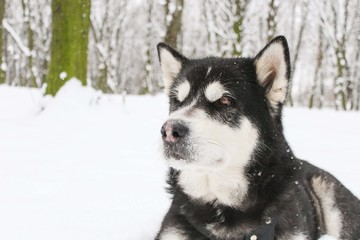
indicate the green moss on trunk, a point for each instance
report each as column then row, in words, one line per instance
column 240, row 9
column 174, row 27
column 70, row 30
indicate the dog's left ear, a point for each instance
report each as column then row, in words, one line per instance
column 273, row 70
column 171, row 63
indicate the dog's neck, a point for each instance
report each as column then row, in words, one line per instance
column 227, row 186
column 230, row 185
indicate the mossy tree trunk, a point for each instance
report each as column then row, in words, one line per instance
column 173, row 20
column 238, row 28
column 2, row 13
column 70, row 30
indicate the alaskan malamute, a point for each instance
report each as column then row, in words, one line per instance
column 232, row 173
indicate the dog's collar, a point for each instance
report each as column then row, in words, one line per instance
column 264, row 232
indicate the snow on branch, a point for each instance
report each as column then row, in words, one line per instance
column 16, row 37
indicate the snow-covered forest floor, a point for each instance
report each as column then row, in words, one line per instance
column 86, row 166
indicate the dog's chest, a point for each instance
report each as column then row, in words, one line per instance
column 227, row 223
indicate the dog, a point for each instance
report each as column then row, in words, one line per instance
column 232, row 173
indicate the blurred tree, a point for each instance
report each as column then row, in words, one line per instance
column 356, row 74
column 2, row 13
column 70, row 28
column 29, row 74
column 338, row 24
column 317, row 89
column 271, row 19
column 147, row 85
column 296, row 37
column 238, row 25
column 173, row 14
column 106, row 40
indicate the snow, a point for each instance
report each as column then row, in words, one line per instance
column 85, row 165
column 63, row 75
column 16, row 37
column 3, row 66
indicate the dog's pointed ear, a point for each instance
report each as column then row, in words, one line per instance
column 273, row 70
column 171, row 63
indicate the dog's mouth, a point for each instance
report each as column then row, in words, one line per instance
column 187, row 153
column 180, row 151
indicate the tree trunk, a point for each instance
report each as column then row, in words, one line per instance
column 102, row 66
column 297, row 49
column 238, row 28
column 2, row 13
column 173, row 19
column 271, row 20
column 357, row 77
column 317, row 85
column 147, row 85
column 69, row 45
column 29, row 74
column 342, row 83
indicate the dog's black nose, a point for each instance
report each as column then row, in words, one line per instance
column 173, row 130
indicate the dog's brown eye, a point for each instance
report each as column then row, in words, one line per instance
column 225, row 101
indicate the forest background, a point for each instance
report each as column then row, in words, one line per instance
column 111, row 44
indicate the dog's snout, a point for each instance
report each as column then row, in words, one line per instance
column 173, row 130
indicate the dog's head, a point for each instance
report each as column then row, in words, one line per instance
column 221, row 108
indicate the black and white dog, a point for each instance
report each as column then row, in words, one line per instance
column 232, row 173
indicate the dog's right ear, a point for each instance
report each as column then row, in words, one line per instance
column 273, row 70
column 171, row 63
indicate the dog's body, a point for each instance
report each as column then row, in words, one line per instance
column 232, row 174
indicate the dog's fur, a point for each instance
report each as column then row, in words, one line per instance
column 231, row 168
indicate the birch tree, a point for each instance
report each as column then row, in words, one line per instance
column 271, row 19
column 105, row 43
column 356, row 76
column 2, row 63
column 337, row 23
column 29, row 73
column 297, row 30
column 170, row 37
column 317, row 88
column 224, row 23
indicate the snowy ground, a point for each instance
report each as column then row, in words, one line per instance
column 86, row 166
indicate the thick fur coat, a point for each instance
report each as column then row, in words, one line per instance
column 232, row 173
